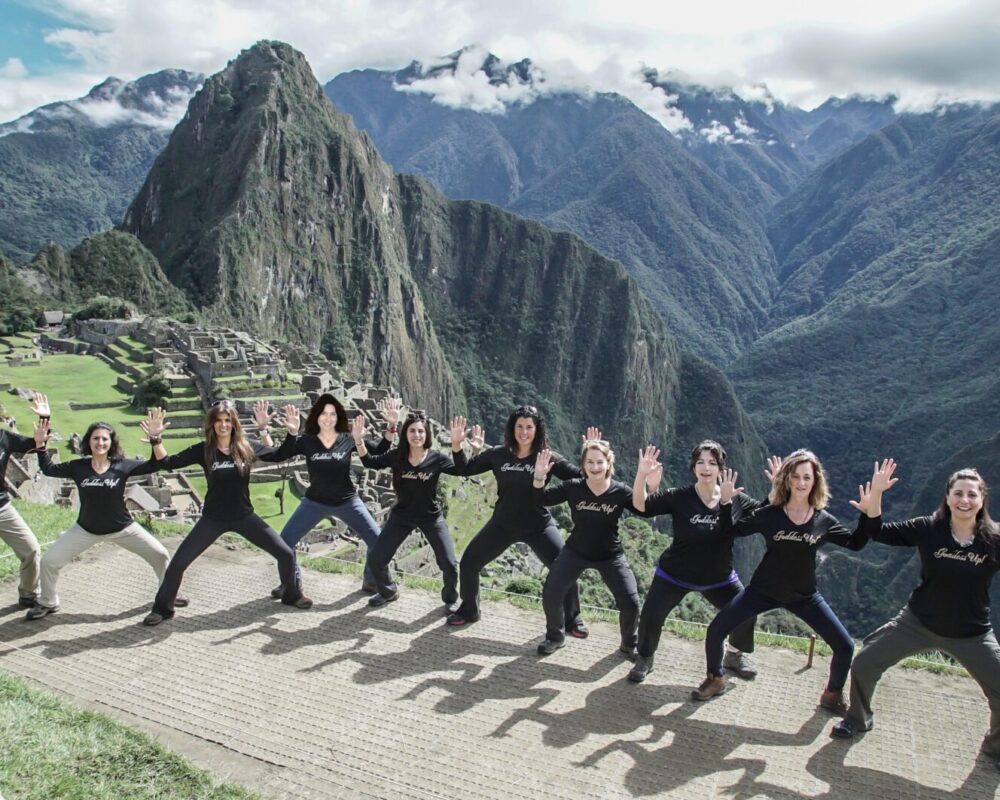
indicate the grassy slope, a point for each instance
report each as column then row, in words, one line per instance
column 51, row 750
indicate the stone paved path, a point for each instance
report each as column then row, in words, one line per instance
column 343, row 702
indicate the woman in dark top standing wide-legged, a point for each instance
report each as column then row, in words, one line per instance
column 949, row 611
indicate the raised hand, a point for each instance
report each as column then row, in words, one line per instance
column 477, row 438
column 773, row 465
column 864, row 501
column 727, row 485
column 40, row 405
column 649, row 460
column 457, row 428
column 593, row 434
column 543, row 463
column 154, row 424
column 882, row 480
column 391, row 408
column 358, row 429
column 41, row 433
column 261, row 415
column 291, row 418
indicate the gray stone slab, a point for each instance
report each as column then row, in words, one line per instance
column 346, row 702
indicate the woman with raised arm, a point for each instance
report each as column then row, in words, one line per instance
column 100, row 480
column 227, row 457
column 794, row 526
column 14, row 531
column 416, row 467
column 596, row 504
column 327, row 445
column 516, row 517
column 700, row 556
column 949, row 611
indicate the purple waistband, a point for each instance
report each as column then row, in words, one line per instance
column 733, row 578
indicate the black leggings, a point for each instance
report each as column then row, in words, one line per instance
column 253, row 529
column 492, row 541
column 664, row 596
column 394, row 533
column 618, row 576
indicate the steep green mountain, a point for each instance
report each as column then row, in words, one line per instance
column 601, row 168
column 69, row 169
column 275, row 214
column 889, row 259
column 113, row 264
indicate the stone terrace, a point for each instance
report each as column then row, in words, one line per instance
column 344, row 702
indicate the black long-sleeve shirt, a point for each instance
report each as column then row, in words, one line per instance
column 516, row 506
column 595, row 533
column 330, row 467
column 953, row 596
column 700, row 552
column 228, row 495
column 10, row 443
column 787, row 572
column 102, row 494
column 416, row 497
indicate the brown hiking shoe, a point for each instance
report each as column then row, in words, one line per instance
column 712, row 686
column 833, row 701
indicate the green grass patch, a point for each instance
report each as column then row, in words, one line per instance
column 265, row 504
column 82, row 379
column 52, row 750
column 468, row 506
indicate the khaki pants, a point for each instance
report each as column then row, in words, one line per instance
column 16, row 533
column 76, row 540
column 905, row 635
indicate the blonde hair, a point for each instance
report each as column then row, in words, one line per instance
column 601, row 447
column 781, row 485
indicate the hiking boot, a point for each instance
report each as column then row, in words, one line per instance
column 739, row 664
column 29, row 601
column 456, row 620
column 549, row 646
column 38, row 611
column 643, row 666
column 278, row 592
column 302, row 602
column 181, row 602
column 381, row 600
column 712, row 686
column 153, row 618
column 833, row 701
column 578, row 629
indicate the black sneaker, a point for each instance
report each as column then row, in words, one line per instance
column 38, row 611
column 578, row 629
column 154, row 618
column 181, row 602
column 27, row 602
column 627, row 652
column 456, row 620
column 278, row 592
column 549, row 646
column 843, row 730
column 643, row 666
column 369, row 587
column 303, row 602
column 381, row 600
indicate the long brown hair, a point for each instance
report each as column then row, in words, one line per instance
column 986, row 528
column 403, row 449
column 239, row 448
column 781, row 486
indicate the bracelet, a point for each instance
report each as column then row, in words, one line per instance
column 391, row 429
column 154, row 440
column 540, row 478
column 46, row 417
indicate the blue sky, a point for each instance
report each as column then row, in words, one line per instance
column 924, row 51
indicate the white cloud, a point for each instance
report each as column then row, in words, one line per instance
column 13, row 68
column 804, row 52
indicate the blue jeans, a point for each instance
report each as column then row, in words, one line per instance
column 309, row 514
column 814, row 611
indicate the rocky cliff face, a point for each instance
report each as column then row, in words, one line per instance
column 275, row 214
